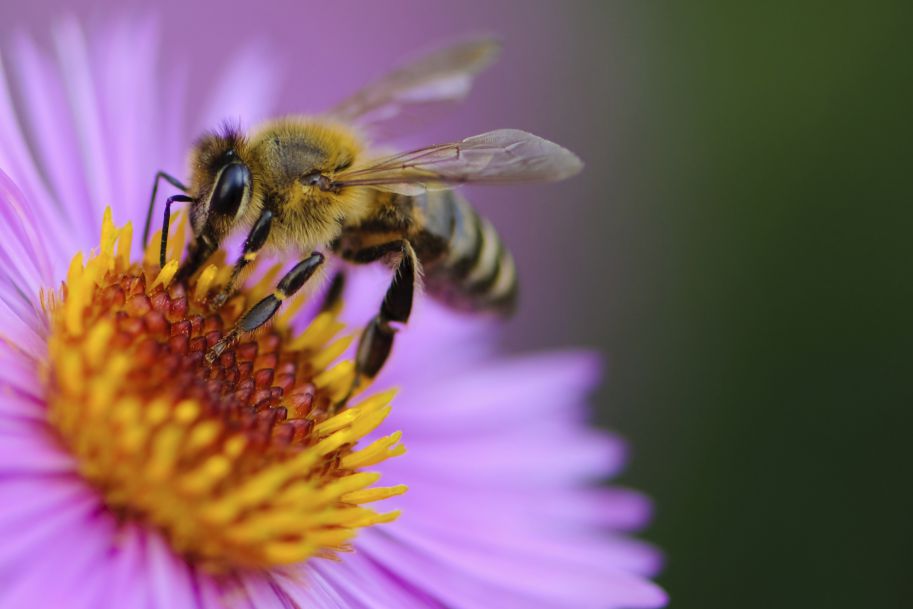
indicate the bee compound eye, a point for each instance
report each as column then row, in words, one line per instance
column 233, row 185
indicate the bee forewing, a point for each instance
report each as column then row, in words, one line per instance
column 498, row 157
column 422, row 87
column 515, row 155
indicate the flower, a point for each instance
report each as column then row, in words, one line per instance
column 106, row 426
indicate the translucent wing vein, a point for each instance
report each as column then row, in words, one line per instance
column 418, row 90
column 497, row 157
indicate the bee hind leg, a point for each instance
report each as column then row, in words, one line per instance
column 376, row 341
column 264, row 310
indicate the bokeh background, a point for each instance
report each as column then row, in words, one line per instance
column 739, row 247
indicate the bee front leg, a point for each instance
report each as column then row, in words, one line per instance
column 166, row 221
column 264, row 310
column 377, row 339
column 252, row 245
column 159, row 175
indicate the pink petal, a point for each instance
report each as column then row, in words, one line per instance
column 27, row 501
column 210, row 596
column 535, row 459
column 53, row 133
column 57, row 573
column 262, row 591
column 584, row 554
column 312, row 590
column 17, row 162
column 127, row 573
column 447, row 586
column 26, row 269
column 33, row 457
column 491, row 582
column 20, row 388
column 24, row 428
column 364, row 583
column 169, row 582
column 19, row 331
column 122, row 56
column 34, row 520
column 497, row 394
column 82, row 96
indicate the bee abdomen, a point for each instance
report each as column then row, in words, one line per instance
column 476, row 271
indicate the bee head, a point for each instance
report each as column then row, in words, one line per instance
column 221, row 182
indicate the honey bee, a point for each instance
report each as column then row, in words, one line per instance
column 313, row 184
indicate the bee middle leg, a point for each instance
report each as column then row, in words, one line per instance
column 376, row 341
column 264, row 310
column 332, row 300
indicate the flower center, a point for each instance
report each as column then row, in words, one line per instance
column 239, row 464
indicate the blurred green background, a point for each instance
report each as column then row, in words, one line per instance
column 740, row 248
column 766, row 375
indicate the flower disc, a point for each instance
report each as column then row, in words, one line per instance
column 242, row 463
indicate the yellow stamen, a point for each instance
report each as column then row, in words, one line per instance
column 166, row 274
column 331, row 352
column 204, row 282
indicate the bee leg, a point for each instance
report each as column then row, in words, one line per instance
column 377, row 339
column 252, row 245
column 166, row 220
column 264, row 310
column 333, row 298
column 199, row 252
column 160, row 175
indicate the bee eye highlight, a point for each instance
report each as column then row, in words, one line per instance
column 231, row 189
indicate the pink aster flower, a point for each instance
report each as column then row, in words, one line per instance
column 119, row 485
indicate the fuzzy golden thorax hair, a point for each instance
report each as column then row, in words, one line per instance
column 287, row 159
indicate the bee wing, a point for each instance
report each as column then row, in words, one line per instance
column 498, row 157
column 422, row 87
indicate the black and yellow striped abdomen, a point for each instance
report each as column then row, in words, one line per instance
column 474, row 271
column 464, row 262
